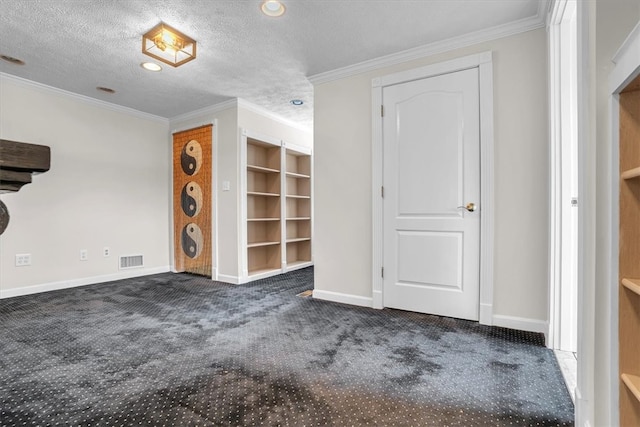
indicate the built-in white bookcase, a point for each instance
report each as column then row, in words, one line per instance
column 276, row 206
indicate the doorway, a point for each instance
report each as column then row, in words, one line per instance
column 192, row 213
column 563, row 295
column 431, row 179
column 480, row 209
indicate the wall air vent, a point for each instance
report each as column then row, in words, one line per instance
column 131, row 261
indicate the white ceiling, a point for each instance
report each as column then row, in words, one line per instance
column 77, row 45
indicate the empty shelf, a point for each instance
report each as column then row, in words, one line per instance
column 631, row 173
column 298, row 263
column 297, row 175
column 262, row 169
column 298, row 239
column 257, row 193
column 633, row 384
column 262, row 219
column 632, row 284
column 260, row 244
column 299, row 218
column 296, row 196
column 262, row 270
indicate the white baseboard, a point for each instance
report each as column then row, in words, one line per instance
column 521, row 323
column 343, row 298
column 377, row 300
column 486, row 314
column 234, row 280
column 65, row 284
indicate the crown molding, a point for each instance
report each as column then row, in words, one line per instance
column 270, row 115
column 206, row 111
column 493, row 33
column 238, row 103
column 81, row 98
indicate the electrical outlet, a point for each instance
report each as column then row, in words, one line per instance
column 84, row 255
column 23, row 260
column 106, row 251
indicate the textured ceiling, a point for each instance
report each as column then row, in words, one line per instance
column 77, row 45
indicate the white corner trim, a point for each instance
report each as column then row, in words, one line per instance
column 208, row 112
column 66, row 284
column 582, row 409
column 234, row 280
column 377, row 300
column 513, row 28
column 270, row 115
column 486, row 314
column 342, row 298
column 82, row 98
column 521, row 323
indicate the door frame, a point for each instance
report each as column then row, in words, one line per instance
column 214, row 196
column 563, row 116
column 484, row 62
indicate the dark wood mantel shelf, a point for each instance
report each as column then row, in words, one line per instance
column 18, row 161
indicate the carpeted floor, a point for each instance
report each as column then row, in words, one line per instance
column 179, row 350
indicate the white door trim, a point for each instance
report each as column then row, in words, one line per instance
column 484, row 63
column 563, row 110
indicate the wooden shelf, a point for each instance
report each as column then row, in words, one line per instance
column 298, row 239
column 629, row 259
column 633, row 384
column 261, row 244
column 259, row 271
column 633, row 285
column 257, row 193
column 277, row 204
column 631, row 173
column 297, row 175
column 291, row 265
column 262, row 169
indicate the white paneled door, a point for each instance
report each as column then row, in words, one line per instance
column 431, row 177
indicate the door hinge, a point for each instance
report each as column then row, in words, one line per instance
column 382, row 272
column 382, row 191
column 382, row 111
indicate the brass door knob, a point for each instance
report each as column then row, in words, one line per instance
column 471, row 207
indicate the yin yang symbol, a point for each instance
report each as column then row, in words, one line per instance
column 191, row 157
column 192, row 240
column 191, row 199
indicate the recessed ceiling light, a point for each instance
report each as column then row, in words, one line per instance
column 297, row 102
column 13, row 60
column 105, row 89
column 272, row 8
column 151, row 66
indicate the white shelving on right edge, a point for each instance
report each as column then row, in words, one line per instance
column 298, row 207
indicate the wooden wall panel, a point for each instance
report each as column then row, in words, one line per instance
column 192, row 196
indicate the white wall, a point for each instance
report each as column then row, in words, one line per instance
column 225, row 164
column 250, row 117
column 343, row 242
column 107, row 187
column 229, row 117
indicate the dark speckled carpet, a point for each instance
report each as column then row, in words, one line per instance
column 179, row 350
